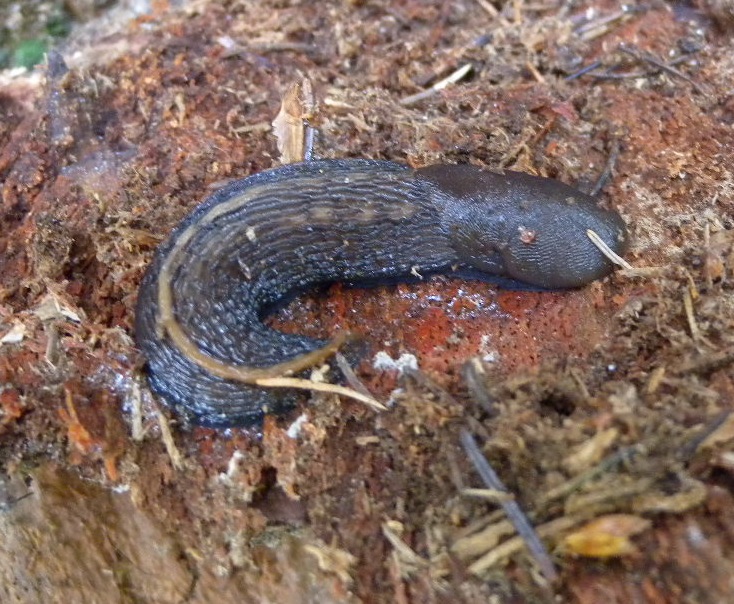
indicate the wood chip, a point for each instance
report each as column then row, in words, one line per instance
column 291, row 126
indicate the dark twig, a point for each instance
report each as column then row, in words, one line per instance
column 689, row 449
column 610, row 75
column 351, row 378
column 584, row 70
column 606, row 174
column 518, row 518
column 646, row 57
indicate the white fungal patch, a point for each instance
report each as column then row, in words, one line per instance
column 294, row 430
column 384, row 362
column 487, row 350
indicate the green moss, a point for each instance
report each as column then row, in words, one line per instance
column 29, row 53
column 29, row 28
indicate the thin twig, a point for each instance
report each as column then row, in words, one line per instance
column 438, row 86
column 169, row 443
column 492, row 495
column 628, row 75
column 534, row 72
column 511, row 508
column 404, row 550
column 689, row 449
column 690, row 315
column 474, row 374
column 489, row 8
column 584, row 70
column 608, row 170
column 605, row 465
column 648, row 58
column 507, row 548
column 300, row 47
column 352, row 379
column 610, row 75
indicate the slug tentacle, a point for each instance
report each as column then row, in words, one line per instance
column 283, row 231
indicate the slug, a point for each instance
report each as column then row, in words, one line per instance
column 259, row 240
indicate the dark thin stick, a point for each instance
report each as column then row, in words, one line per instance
column 351, row 378
column 8, row 503
column 519, row 520
column 610, row 75
column 606, row 174
column 689, row 449
column 584, row 71
column 648, row 58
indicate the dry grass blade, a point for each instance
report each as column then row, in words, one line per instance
column 607, row 251
column 514, row 545
column 493, row 495
column 301, row 384
column 351, row 378
column 404, row 552
column 438, row 86
column 618, row 457
column 168, row 442
column 690, row 315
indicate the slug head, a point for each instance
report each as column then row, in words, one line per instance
column 525, row 228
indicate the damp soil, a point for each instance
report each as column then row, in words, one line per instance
column 605, row 411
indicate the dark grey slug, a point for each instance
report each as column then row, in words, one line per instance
column 260, row 239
